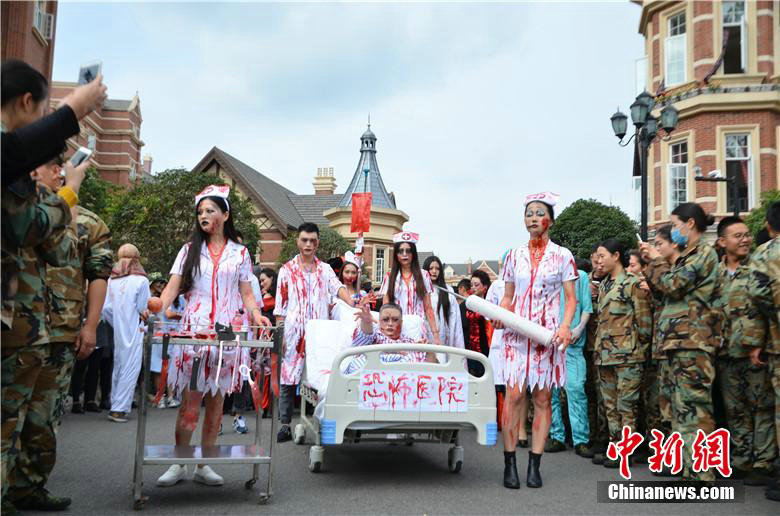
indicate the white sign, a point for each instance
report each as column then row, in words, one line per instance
column 410, row 391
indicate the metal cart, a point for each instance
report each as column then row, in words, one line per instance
column 155, row 455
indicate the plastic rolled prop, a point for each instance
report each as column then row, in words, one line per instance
column 531, row 330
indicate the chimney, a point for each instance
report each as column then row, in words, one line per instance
column 469, row 267
column 147, row 164
column 324, row 182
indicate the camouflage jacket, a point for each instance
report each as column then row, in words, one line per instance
column 28, row 220
column 762, row 327
column 656, row 307
column 31, row 305
column 625, row 324
column 736, row 306
column 593, row 322
column 67, row 284
column 692, row 315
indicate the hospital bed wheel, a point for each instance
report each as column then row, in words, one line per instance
column 455, row 459
column 138, row 505
column 264, row 499
column 316, row 456
column 249, row 484
column 299, row 435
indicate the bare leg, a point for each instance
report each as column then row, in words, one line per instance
column 521, row 433
column 187, row 417
column 542, row 399
column 212, row 419
column 512, row 408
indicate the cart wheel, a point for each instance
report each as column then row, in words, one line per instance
column 455, row 459
column 249, row 484
column 299, row 436
column 316, row 457
column 264, row 499
column 138, row 505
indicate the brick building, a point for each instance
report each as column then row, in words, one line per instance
column 279, row 211
column 28, row 30
column 454, row 272
column 114, row 134
column 717, row 62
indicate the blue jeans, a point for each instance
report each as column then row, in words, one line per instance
column 578, row 402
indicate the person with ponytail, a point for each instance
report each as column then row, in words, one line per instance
column 407, row 285
column 445, row 305
column 213, row 272
column 623, row 338
column 690, row 327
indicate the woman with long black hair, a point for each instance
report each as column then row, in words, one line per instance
column 623, row 338
column 690, row 326
column 350, row 277
column 407, row 285
column 212, row 271
column 444, row 305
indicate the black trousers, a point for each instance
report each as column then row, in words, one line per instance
column 86, row 373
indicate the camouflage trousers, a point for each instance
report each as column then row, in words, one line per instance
column 620, row 386
column 597, row 421
column 651, row 389
column 774, row 376
column 29, row 391
column 686, row 397
column 63, row 381
column 747, row 394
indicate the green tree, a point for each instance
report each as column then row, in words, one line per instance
column 158, row 216
column 331, row 244
column 98, row 195
column 756, row 219
column 586, row 222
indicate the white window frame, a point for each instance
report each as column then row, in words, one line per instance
column 749, row 158
column 743, row 40
column 379, row 270
column 676, row 171
column 678, row 40
column 43, row 22
column 640, row 71
column 133, row 173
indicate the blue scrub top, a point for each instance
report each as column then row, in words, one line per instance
column 584, row 304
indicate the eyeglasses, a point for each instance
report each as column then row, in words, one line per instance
column 404, row 250
column 740, row 236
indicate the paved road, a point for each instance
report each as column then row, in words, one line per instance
column 96, row 458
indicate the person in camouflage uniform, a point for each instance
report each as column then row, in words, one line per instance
column 689, row 328
column 745, row 387
column 66, row 288
column 623, row 338
column 597, row 421
column 761, row 329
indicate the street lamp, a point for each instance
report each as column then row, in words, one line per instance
column 646, row 129
column 730, row 181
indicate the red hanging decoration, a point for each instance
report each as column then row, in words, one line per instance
column 361, row 212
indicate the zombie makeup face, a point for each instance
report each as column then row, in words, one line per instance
column 404, row 254
column 390, row 322
column 308, row 243
column 537, row 219
column 477, row 288
column 211, row 219
column 434, row 270
column 350, row 273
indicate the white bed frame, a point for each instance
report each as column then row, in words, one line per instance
column 344, row 422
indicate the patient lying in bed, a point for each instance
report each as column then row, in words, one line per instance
column 390, row 322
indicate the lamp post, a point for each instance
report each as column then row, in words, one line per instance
column 645, row 131
column 732, row 185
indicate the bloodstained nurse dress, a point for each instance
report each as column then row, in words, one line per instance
column 214, row 298
column 537, row 298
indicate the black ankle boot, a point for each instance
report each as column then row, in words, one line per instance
column 511, row 480
column 534, row 479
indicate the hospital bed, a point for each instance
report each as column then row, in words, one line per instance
column 346, row 413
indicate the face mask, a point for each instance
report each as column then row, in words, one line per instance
column 678, row 238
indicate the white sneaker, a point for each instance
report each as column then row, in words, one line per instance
column 173, row 476
column 206, row 475
column 173, row 403
column 163, row 403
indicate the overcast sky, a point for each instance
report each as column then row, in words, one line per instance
column 474, row 105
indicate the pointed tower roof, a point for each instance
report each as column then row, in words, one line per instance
column 367, row 177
